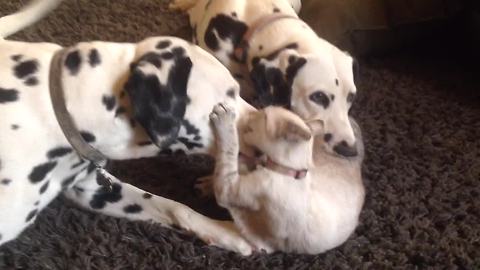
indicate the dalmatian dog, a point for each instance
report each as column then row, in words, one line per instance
column 286, row 63
column 128, row 100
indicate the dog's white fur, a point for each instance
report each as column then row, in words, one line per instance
column 278, row 212
column 327, row 69
column 29, row 130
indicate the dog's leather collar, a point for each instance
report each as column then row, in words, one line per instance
column 83, row 149
column 241, row 51
column 268, row 163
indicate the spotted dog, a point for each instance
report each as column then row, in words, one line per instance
column 287, row 63
column 128, row 101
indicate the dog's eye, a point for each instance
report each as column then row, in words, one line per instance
column 350, row 97
column 320, row 98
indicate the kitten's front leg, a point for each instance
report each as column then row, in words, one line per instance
column 231, row 189
column 226, row 166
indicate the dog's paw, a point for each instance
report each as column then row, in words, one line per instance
column 222, row 114
column 204, row 186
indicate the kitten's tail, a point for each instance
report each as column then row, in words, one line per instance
column 25, row 17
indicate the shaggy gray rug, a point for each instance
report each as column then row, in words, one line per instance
column 421, row 120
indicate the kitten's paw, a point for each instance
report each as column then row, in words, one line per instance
column 222, row 114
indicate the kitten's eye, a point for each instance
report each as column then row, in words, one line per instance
column 320, row 98
column 350, row 97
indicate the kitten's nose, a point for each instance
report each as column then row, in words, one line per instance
column 346, row 150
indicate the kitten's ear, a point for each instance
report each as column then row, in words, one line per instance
column 280, row 125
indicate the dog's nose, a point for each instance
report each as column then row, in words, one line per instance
column 346, row 150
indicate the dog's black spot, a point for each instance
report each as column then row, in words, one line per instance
column 6, row 182
column 191, row 129
column 147, row 195
column 350, row 97
column 234, row 14
column 293, row 68
column 68, row 181
column 78, row 164
column 87, row 136
column 152, row 58
column 163, row 44
column 231, row 93
column 94, row 58
column 274, row 54
column 73, row 62
column 104, row 195
column 145, row 143
column 26, row 68
column 336, row 82
column 14, row 126
column 44, row 187
column 276, row 10
column 16, row 57
column 109, row 102
column 31, row 215
column 260, row 47
column 225, row 27
column 8, row 95
column 320, row 98
column 178, row 52
column 32, row 81
column 166, row 55
column 120, row 110
column 158, row 107
column 327, row 137
column 36, row 203
column 58, row 152
column 133, row 209
column 39, row 172
column 189, row 144
column 332, row 97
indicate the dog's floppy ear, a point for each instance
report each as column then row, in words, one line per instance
column 273, row 75
column 159, row 107
column 280, row 125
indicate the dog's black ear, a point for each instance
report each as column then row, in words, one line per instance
column 273, row 78
column 159, row 107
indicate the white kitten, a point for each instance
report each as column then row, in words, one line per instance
column 288, row 201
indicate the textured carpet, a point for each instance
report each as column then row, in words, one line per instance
column 421, row 120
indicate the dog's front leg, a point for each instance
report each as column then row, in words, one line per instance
column 228, row 189
column 127, row 201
